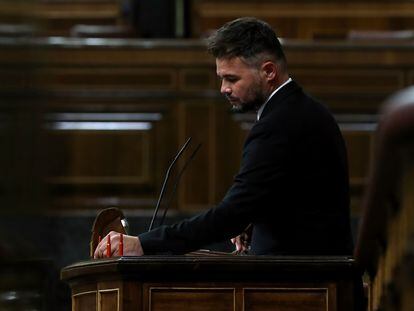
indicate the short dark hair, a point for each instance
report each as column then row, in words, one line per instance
column 246, row 37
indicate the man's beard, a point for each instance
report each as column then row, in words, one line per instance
column 252, row 105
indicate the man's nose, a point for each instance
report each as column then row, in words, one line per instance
column 225, row 89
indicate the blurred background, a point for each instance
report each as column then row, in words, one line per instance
column 97, row 96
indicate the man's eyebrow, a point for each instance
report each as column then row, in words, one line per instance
column 227, row 76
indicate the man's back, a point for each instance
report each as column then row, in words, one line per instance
column 295, row 157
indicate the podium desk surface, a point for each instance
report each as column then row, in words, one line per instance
column 243, row 268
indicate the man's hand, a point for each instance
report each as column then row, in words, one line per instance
column 241, row 242
column 132, row 246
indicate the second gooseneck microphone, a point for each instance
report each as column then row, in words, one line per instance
column 167, row 175
column 176, row 182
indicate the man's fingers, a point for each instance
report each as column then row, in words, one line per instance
column 98, row 251
column 101, row 249
column 95, row 253
column 239, row 242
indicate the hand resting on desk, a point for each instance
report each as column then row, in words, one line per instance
column 242, row 241
column 131, row 245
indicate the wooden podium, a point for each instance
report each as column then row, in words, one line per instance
column 249, row 283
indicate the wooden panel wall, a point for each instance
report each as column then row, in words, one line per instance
column 57, row 17
column 114, row 149
column 115, row 114
column 306, row 19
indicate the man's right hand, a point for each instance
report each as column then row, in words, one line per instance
column 131, row 245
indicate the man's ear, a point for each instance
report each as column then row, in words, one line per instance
column 270, row 70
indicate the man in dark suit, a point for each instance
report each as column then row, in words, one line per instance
column 292, row 188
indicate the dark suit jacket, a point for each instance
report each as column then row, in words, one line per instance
column 292, row 186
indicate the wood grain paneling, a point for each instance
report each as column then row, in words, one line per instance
column 178, row 80
column 58, row 17
column 102, row 148
column 349, row 81
column 196, row 121
column 307, row 19
column 350, row 89
column 359, row 147
column 223, row 282
column 93, row 152
column 105, row 156
column 205, row 299
column 85, row 301
column 78, row 52
column 109, row 300
column 197, row 79
column 107, row 78
column 300, row 19
column 286, row 299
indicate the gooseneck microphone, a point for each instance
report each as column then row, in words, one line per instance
column 177, row 180
column 167, row 175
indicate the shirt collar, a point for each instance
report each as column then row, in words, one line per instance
column 262, row 107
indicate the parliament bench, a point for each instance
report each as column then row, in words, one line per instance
column 304, row 19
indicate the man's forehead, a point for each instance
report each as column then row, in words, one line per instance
column 229, row 61
column 229, row 65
